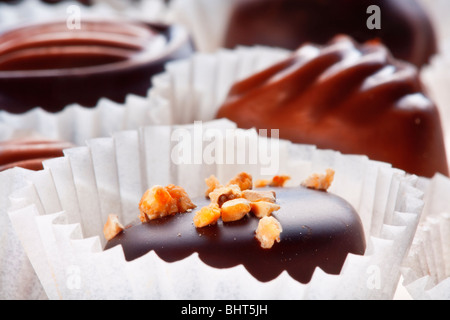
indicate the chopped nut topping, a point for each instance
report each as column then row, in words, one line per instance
column 184, row 203
column 243, row 180
column 224, row 194
column 276, row 182
column 159, row 202
column 320, row 182
column 235, row 210
column 254, row 195
column 279, row 181
column 268, row 231
column 112, row 227
column 263, row 209
column 212, row 183
column 207, row 216
column 262, row 183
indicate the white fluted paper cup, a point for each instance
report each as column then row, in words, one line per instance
column 59, row 217
column 426, row 270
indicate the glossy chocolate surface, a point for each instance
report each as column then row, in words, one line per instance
column 52, row 66
column 405, row 27
column 29, row 154
column 319, row 230
column 353, row 98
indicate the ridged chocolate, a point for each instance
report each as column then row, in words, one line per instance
column 319, row 230
column 52, row 65
column 345, row 96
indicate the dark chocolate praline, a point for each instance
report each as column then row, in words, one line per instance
column 52, row 65
column 319, row 230
column 404, row 26
column 345, row 96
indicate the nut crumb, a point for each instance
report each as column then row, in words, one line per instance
column 263, row 209
column 262, row 183
column 159, row 202
column 279, row 181
column 268, row 231
column 212, row 183
column 320, row 182
column 243, row 180
column 257, row 195
column 235, row 210
column 276, row 182
column 207, row 216
column 112, row 227
column 184, row 203
column 224, row 194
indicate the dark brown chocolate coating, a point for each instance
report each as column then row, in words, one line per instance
column 51, row 66
column 319, row 230
column 353, row 98
column 405, row 27
column 29, row 153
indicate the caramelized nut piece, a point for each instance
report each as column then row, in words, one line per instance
column 235, row 210
column 224, row 194
column 207, row 216
column 184, row 203
column 320, row 181
column 263, row 209
column 157, row 203
column 276, row 182
column 268, row 231
column 262, row 183
column 212, row 183
column 243, row 180
column 279, row 181
column 112, row 227
column 253, row 195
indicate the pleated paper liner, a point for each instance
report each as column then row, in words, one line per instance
column 426, row 269
column 59, row 218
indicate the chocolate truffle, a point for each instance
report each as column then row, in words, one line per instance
column 29, row 153
column 52, row 65
column 405, row 27
column 344, row 96
column 319, row 230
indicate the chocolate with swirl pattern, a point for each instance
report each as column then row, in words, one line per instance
column 49, row 65
column 345, row 96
